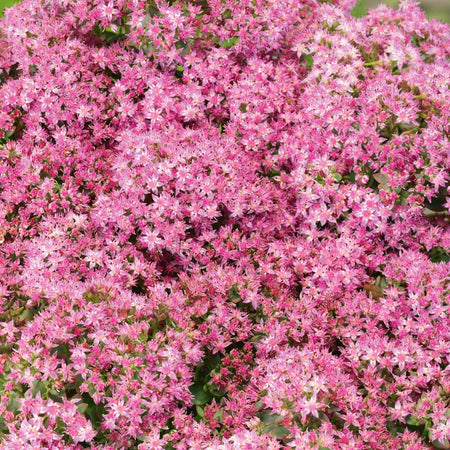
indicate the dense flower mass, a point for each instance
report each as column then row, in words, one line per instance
column 224, row 224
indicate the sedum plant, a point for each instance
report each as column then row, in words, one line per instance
column 224, row 224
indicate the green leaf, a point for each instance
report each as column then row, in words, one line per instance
column 38, row 386
column 268, row 418
column 243, row 107
column 94, row 411
column 200, row 411
column 33, row 68
column 320, row 179
column 26, row 315
column 308, row 59
column 201, row 397
column 277, row 431
column 13, row 404
column 179, row 72
column 436, row 203
column 438, row 254
column 82, row 407
column 380, row 178
column 444, row 444
column 233, row 294
column 337, row 177
column 211, row 388
column 62, row 351
column 411, row 420
column 232, row 41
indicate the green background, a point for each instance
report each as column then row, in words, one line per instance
column 6, row 4
column 439, row 9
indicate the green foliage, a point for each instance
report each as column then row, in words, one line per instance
column 309, row 60
column 228, row 43
column 107, row 35
column 272, row 424
column 438, row 254
column 202, row 389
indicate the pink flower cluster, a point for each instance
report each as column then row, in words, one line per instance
column 224, row 224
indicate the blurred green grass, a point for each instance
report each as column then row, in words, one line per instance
column 6, row 4
column 434, row 9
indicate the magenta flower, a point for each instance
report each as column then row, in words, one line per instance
column 223, row 224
